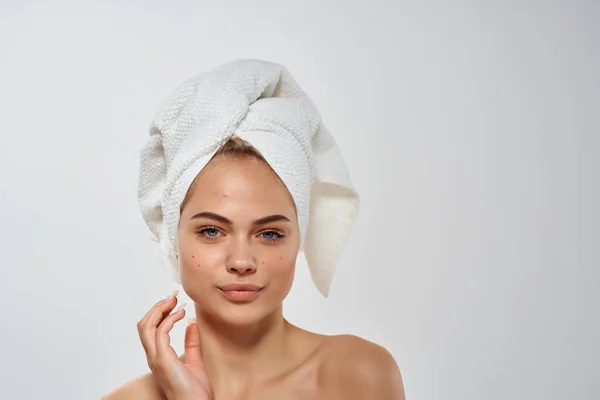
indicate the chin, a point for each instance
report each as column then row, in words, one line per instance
column 239, row 314
column 243, row 314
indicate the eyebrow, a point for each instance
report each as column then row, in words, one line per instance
column 222, row 219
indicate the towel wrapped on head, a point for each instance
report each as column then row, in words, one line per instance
column 260, row 102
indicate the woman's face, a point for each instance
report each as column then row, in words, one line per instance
column 239, row 226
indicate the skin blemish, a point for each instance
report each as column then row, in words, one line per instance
column 224, row 195
column 263, row 261
column 198, row 264
column 193, row 256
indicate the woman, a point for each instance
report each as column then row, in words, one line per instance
column 231, row 218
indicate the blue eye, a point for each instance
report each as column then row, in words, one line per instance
column 272, row 236
column 211, row 232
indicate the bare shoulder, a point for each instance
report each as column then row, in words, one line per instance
column 366, row 369
column 143, row 387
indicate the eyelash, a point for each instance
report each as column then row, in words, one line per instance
column 202, row 232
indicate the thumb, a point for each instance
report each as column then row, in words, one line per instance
column 193, row 351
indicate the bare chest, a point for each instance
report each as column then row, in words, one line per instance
column 289, row 391
column 311, row 382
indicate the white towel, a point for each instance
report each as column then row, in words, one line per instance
column 261, row 103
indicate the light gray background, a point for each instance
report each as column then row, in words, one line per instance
column 471, row 130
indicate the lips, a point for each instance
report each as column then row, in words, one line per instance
column 241, row 287
column 240, row 292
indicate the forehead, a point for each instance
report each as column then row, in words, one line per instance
column 240, row 184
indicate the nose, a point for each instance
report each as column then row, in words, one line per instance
column 240, row 260
column 241, row 267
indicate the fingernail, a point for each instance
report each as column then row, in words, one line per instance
column 180, row 307
column 172, row 294
column 191, row 320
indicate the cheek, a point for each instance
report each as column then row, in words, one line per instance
column 198, row 272
column 280, row 268
column 196, row 263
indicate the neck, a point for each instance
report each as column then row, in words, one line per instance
column 241, row 356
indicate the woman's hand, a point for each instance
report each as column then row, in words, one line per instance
column 178, row 380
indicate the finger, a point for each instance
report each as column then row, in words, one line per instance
column 168, row 299
column 147, row 327
column 146, row 337
column 162, row 339
column 193, row 349
column 158, row 314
